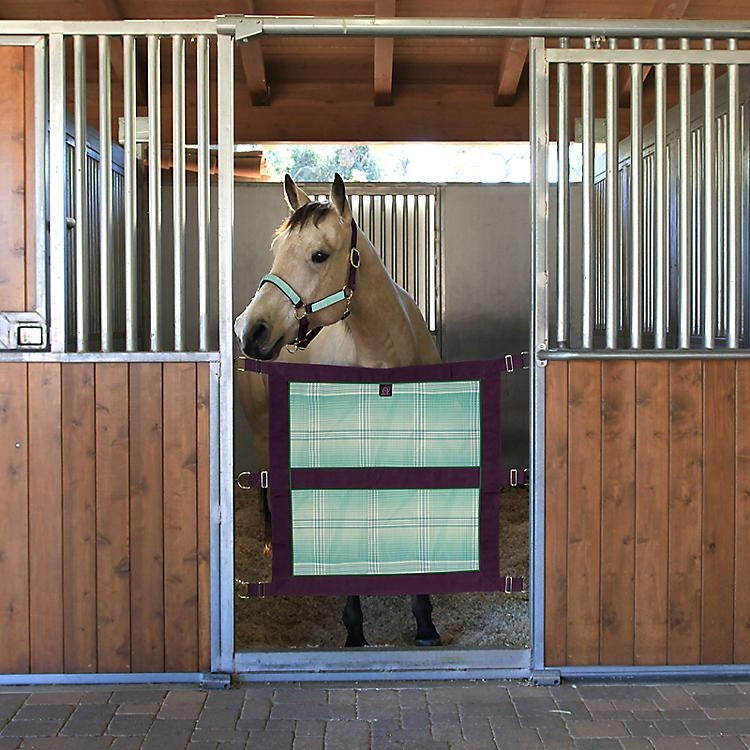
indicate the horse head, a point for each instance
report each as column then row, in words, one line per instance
column 310, row 281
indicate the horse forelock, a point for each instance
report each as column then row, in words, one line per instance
column 313, row 211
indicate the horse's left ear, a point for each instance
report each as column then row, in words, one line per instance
column 338, row 198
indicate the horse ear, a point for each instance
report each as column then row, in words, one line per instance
column 338, row 198
column 295, row 196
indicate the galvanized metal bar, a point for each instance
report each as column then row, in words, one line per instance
column 563, row 203
column 58, row 220
column 653, row 354
column 648, row 56
column 103, row 357
column 178, row 188
column 661, row 219
column 106, row 233
column 612, row 236
column 118, row 678
column 539, row 137
column 109, row 28
column 709, row 200
column 40, row 174
column 587, row 197
column 214, row 473
column 204, row 191
column 79, row 190
column 154, row 191
column 684, row 315
column 636, row 201
column 130, row 195
column 733, row 198
column 225, row 88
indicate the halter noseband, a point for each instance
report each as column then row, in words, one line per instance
column 301, row 310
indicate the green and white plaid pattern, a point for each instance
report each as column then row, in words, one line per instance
column 337, row 425
column 366, row 532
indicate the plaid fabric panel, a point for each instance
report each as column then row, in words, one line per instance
column 366, row 532
column 336, row 425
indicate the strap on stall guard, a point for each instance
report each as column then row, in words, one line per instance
column 518, row 361
column 515, row 477
column 252, row 480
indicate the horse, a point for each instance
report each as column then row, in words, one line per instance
column 328, row 299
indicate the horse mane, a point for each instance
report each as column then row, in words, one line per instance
column 313, row 211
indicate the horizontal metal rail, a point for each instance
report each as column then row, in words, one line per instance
column 649, row 56
column 594, row 354
column 248, row 26
column 111, row 28
column 102, row 357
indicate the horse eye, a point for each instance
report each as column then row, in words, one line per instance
column 319, row 257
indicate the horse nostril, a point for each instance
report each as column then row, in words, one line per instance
column 258, row 332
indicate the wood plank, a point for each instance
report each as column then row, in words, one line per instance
column 652, row 512
column 146, row 519
column 112, row 518
column 584, row 512
column 742, row 518
column 180, row 519
column 29, row 178
column 556, row 513
column 14, row 529
column 383, row 63
column 718, row 512
column 45, row 518
column 254, row 66
column 685, row 517
column 618, row 513
column 12, row 193
column 204, row 518
column 79, row 518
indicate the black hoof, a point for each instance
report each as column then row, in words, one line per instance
column 355, row 641
column 428, row 641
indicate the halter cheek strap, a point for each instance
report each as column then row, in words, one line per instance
column 301, row 310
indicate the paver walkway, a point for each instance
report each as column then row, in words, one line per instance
column 419, row 716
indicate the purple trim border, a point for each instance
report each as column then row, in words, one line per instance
column 386, row 478
column 284, row 582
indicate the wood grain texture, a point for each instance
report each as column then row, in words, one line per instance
column 14, row 530
column 742, row 517
column 584, row 512
column 556, row 513
column 79, row 518
column 685, row 516
column 652, row 512
column 45, row 518
column 12, row 167
column 618, row 513
column 29, row 178
column 146, row 518
column 180, row 518
column 717, row 631
column 204, row 517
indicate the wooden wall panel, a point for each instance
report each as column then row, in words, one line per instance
column 45, row 518
column 651, row 512
column 14, row 531
column 618, row 512
column 204, row 519
column 742, row 517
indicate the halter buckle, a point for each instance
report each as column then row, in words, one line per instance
column 300, row 313
column 355, row 257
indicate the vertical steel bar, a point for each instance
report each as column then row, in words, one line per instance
column 80, row 202
column 106, row 234
column 178, row 188
column 661, row 217
column 734, row 229
column 587, row 229
column 685, row 191
column 225, row 87
column 612, row 193
column 40, row 173
column 539, row 142
column 636, row 201
column 204, row 193
column 130, row 197
column 154, row 190
column 563, row 203
column 58, row 222
column 709, row 199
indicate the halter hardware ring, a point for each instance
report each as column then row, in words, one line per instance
column 300, row 313
column 355, row 254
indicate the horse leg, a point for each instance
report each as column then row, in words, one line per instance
column 421, row 607
column 352, row 618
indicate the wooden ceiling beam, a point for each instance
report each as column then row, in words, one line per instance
column 513, row 56
column 383, row 79
column 254, row 66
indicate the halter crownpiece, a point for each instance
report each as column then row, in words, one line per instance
column 301, row 310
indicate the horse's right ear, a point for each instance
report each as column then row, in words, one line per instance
column 295, row 196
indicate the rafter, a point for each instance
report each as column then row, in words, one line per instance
column 383, row 81
column 254, row 66
column 673, row 9
column 513, row 57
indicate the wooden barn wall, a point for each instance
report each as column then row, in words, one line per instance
column 647, row 512
column 104, row 517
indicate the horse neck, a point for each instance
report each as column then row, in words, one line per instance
column 378, row 322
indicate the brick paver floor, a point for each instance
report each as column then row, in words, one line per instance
column 418, row 716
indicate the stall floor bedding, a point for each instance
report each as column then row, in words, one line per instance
column 473, row 620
